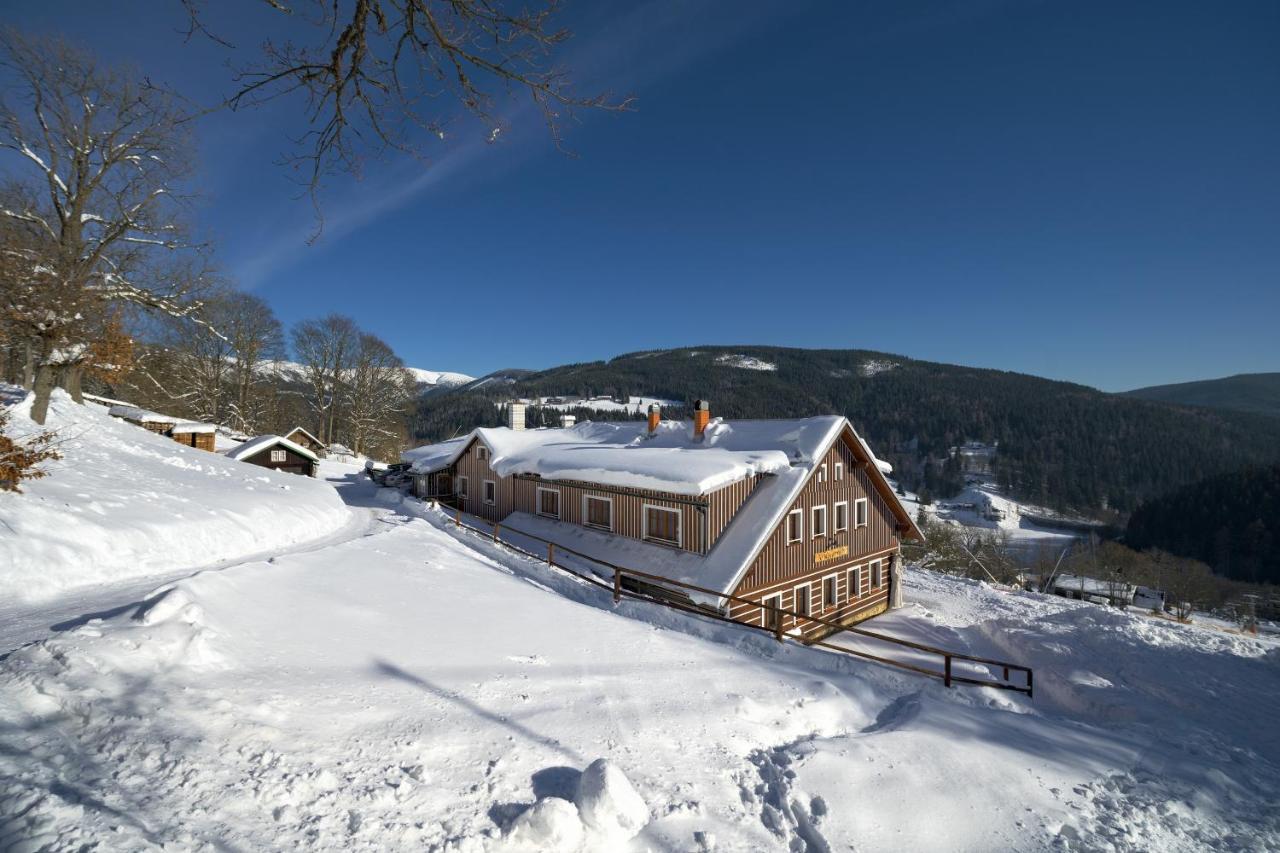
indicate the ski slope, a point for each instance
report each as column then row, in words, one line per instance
column 418, row 687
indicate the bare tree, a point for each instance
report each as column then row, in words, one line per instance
column 379, row 389
column 104, row 155
column 367, row 69
column 255, row 335
column 325, row 348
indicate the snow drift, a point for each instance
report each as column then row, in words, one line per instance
column 124, row 502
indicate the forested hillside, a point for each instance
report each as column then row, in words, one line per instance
column 1062, row 445
column 1231, row 522
column 1245, row 392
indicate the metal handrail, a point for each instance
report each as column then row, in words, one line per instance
column 619, row 591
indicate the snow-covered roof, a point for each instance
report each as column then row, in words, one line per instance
column 193, row 426
column 622, row 454
column 306, row 433
column 262, row 442
column 433, row 457
column 137, row 413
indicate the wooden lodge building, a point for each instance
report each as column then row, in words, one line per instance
column 278, row 453
column 793, row 514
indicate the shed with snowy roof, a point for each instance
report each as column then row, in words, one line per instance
column 145, row 418
column 792, row 515
column 302, row 438
column 278, row 453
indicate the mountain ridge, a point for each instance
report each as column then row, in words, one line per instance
column 1258, row 393
column 1061, row 444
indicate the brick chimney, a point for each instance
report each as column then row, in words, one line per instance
column 701, row 415
column 515, row 415
column 655, row 415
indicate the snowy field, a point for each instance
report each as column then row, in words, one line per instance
column 125, row 503
column 417, row 687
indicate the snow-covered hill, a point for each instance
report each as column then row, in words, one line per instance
column 124, row 502
column 428, row 380
column 423, row 688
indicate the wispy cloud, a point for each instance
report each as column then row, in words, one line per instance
column 650, row 42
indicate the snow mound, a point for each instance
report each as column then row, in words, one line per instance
column 607, row 802
column 550, row 824
column 126, row 503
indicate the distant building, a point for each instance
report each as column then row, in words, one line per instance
column 278, row 453
column 191, row 433
column 302, row 438
column 1114, row 592
column 788, row 514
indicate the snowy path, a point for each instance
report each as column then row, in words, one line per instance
column 424, row 689
column 23, row 621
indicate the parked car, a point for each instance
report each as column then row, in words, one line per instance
column 394, row 476
column 374, row 468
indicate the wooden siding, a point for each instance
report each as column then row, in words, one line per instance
column 198, row 440
column 702, row 519
column 852, row 605
column 477, row 470
column 779, row 561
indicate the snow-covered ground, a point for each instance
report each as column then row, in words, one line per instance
column 419, row 687
column 746, row 362
column 969, row 509
column 638, row 405
column 124, row 503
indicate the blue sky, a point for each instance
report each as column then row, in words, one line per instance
column 1085, row 191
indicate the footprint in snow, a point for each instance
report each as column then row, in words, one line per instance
column 529, row 660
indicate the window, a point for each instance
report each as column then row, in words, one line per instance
column 802, row 594
column 795, row 526
column 482, row 453
column 549, row 502
column 819, row 521
column 597, row 512
column 771, row 612
column 278, row 456
column 875, row 574
column 842, row 516
column 860, row 512
column 462, row 487
column 855, row 582
column 839, row 470
column 830, row 590
column 662, row 524
column 490, row 492
column 822, row 473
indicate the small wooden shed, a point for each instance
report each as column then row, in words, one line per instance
column 302, row 438
column 278, row 453
column 194, row 434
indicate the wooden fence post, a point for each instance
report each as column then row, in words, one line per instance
column 551, row 550
column 457, row 519
column 617, row 585
column 1030, row 694
column 495, row 531
column 777, row 623
column 946, row 678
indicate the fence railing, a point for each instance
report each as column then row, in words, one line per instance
column 976, row 667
